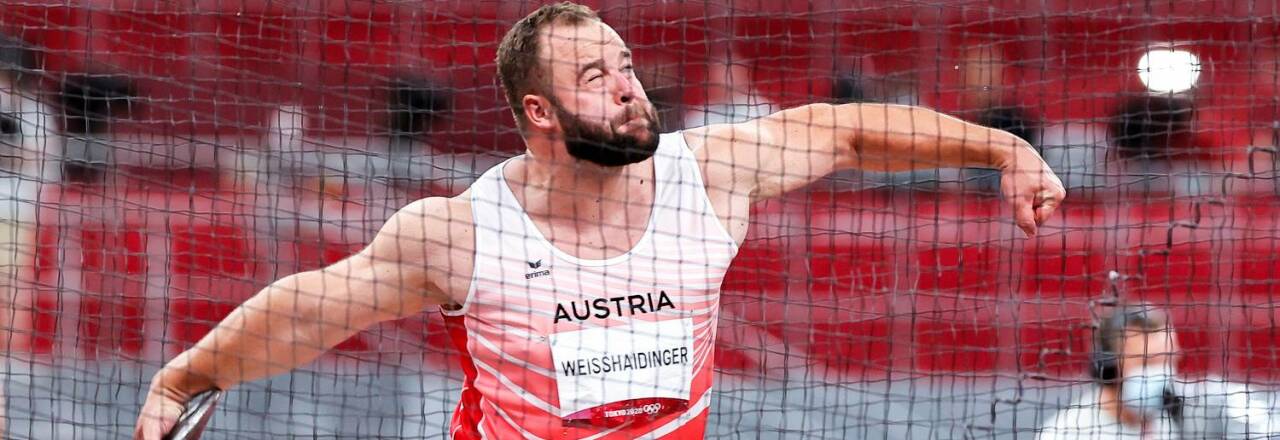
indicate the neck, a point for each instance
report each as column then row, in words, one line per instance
column 570, row 188
column 1109, row 398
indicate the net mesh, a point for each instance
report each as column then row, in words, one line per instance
column 165, row 161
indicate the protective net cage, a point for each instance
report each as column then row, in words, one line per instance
column 164, row 161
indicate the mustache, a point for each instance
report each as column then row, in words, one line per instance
column 631, row 112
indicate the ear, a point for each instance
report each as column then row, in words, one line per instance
column 537, row 110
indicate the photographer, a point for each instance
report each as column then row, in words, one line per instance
column 1139, row 396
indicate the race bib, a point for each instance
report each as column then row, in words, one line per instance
column 609, row 376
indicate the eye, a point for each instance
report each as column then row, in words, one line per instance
column 594, row 76
column 628, row 69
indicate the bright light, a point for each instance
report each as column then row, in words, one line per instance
column 1169, row 70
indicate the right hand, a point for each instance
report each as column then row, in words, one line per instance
column 160, row 412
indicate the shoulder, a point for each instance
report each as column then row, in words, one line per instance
column 433, row 238
column 433, row 220
column 713, row 139
column 729, row 155
column 429, row 223
column 436, row 211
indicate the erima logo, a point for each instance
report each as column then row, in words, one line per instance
column 536, row 273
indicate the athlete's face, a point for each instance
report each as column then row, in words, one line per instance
column 600, row 106
column 1150, row 350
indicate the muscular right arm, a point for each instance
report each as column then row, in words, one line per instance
column 299, row 317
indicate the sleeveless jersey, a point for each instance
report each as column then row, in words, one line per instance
column 559, row 347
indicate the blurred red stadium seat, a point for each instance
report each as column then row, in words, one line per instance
column 1259, row 267
column 106, row 249
column 760, row 268
column 868, row 347
column 111, row 325
column 315, row 253
column 1254, row 352
column 113, row 280
column 955, row 245
column 891, row 41
column 46, row 308
column 845, row 266
column 1170, row 247
column 210, row 249
column 1176, row 274
column 1256, row 265
column 1199, row 353
column 457, row 43
column 211, row 272
column 46, row 297
column 1054, row 348
column 1068, row 263
column 731, row 358
column 966, row 268
column 57, row 29
column 969, row 344
column 190, row 318
column 780, row 51
column 46, row 264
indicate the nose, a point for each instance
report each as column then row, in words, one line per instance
column 624, row 92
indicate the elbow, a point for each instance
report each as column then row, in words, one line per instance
column 845, row 124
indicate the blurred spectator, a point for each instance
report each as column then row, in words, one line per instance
column 1156, row 149
column 731, row 98
column 1077, row 152
column 27, row 136
column 415, row 104
column 27, row 131
column 89, row 103
column 1138, row 394
column 859, row 80
column 848, row 89
column 851, row 82
column 1151, row 128
column 983, row 81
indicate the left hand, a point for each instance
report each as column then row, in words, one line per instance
column 1031, row 187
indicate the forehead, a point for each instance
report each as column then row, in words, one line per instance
column 573, row 44
column 1137, row 342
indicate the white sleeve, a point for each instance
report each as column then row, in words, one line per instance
column 1057, row 428
column 1245, row 407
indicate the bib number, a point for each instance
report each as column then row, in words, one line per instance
column 614, row 375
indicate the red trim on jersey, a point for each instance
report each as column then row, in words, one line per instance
column 466, row 417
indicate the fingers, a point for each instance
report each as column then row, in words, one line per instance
column 149, row 427
column 157, row 418
column 1025, row 217
column 1045, row 211
column 1034, row 194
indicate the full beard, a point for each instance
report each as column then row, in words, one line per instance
column 605, row 146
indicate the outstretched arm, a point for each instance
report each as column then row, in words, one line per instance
column 299, row 317
column 787, row 150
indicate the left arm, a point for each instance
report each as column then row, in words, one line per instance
column 766, row 157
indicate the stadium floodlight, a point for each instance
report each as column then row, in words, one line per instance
column 1169, row 70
